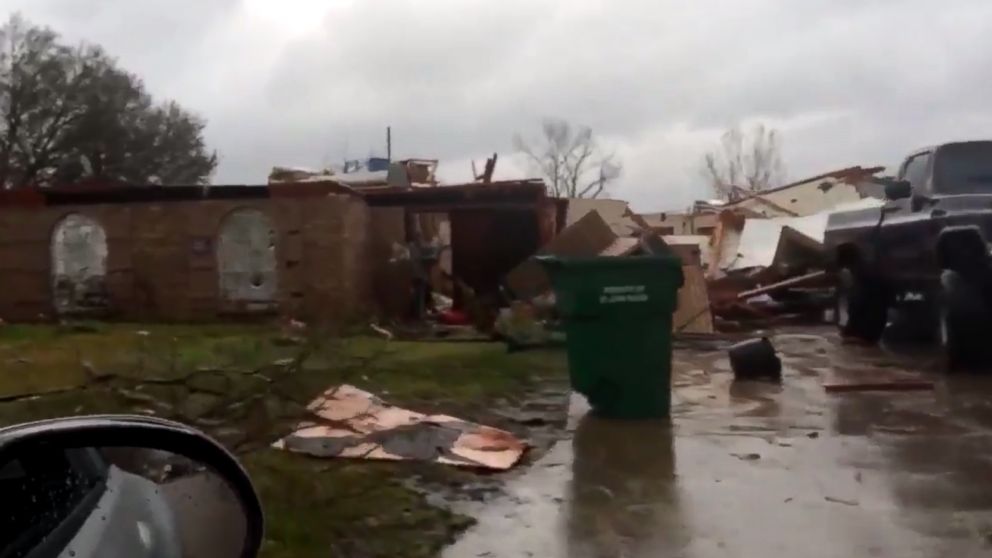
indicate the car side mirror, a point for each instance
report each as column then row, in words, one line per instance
column 898, row 190
column 123, row 485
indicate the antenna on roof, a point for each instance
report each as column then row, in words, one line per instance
column 389, row 143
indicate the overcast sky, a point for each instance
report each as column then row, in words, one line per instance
column 309, row 82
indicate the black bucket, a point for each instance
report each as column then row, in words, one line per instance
column 755, row 360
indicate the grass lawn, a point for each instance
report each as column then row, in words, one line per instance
column 217, row 377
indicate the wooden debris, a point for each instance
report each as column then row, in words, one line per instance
column 840, row 501
column 791, row 282
column 890, row 385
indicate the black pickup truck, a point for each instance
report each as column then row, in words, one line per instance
column 927, row 245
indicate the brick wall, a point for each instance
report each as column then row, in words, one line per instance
column 162, row 263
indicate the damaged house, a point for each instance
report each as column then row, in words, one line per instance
column 316, row 250
column 767, row 228
column 182, row 253
column 767, row 240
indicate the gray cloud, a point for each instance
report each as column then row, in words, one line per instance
column 307, row 82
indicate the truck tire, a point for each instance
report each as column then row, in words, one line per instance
column 862, row 306
column 962, row 316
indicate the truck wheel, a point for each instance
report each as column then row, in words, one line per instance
column 862, row 306
column 962, row 316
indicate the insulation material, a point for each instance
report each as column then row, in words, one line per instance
column 692, row 314
column 79, row 265
column 356, row 424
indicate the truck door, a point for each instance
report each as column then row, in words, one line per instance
column 903, row 245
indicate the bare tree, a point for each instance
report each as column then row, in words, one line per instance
column 570, row 159
column 744, row 163
column 68, row 112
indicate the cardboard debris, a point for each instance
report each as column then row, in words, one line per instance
column 648, row 244
column 623, row 246
column 587, row 237
column 356, row 424
column 616, row 213
column 693, row 314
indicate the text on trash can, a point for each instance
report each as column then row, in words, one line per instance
column 623, row 293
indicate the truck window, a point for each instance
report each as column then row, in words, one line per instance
column 916, row 171
column 964, row 168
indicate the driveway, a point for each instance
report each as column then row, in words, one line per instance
column 764, row 470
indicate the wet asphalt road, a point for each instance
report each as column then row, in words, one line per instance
column 764, row 470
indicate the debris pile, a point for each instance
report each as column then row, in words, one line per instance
column 460, row 256
column 608, row 228
column 763, row 252
column 353, row 423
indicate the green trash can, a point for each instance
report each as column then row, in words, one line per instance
column 618, row 322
